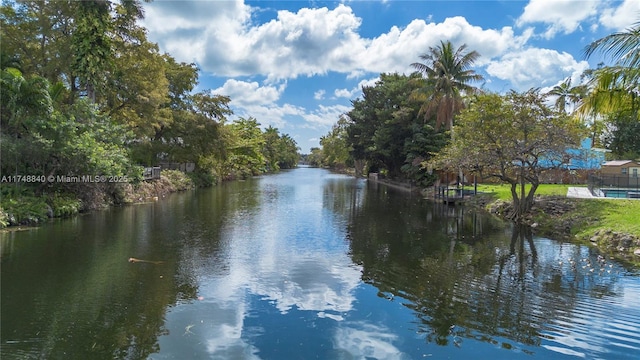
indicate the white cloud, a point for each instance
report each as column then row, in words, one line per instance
column 357, row 90
column 560, row 16
column 621, row 17
column 319, row 95
column 535, row 68
column 245, row 93
column 270, row 114
column 368, row 83
column 395, row 50
column 260, row 102
column 308, row 42
column 326, row 115
column 343, row 93
column 185, row 29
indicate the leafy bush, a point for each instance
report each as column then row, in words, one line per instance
column 21, row 207
column 203, row 178
column 179, row 180
column 4, row 220
column 64, row 205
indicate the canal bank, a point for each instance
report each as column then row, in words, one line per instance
column 22, row 208
column 607, row 224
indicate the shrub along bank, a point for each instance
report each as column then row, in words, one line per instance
column 21, row 206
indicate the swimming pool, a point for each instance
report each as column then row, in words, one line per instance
column 621, row 193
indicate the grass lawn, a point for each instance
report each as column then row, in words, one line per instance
column 592, row 214
column 503, row 191
column 615, row 214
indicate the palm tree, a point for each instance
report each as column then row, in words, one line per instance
column 566, row 94
column 616, row 86
column 447, row 77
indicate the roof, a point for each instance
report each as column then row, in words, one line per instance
column 617, row 162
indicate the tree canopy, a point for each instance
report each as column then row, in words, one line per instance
column 86, row 93
column 514, row 138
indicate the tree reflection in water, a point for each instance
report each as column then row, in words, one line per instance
column 462, row 272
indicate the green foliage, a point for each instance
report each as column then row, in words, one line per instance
column 22, row 207
column 179, row 180
column 91, row 44
column 84, row 93
column 513, row 138
column 624, row 138
column 203, row 178
column 613, row 90
column 288, row 152
column 386, row 131
column 315, row 157
column 423, row 143
column 447, row 75
column 244, row 156
column 64, row 205
column 567, row 94
column 335, row 146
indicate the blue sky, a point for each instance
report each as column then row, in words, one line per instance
column 296, row 65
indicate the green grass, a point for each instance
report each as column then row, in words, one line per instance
column 503, row 191
column 615, row 214
column 589, row 215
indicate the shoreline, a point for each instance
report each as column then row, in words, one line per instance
column 559, row 217
column 567, row 219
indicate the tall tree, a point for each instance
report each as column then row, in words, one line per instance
column 380, row 123
column 567, row 95
column 335, row 146
column 447, row 76
column 92, row 44
column 513, row 138
column 245, row 157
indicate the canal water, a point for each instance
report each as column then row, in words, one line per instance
column 308, row 264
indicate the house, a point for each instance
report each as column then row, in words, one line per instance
column 586, row 157
column 621, row 168
column 582, row 161
column 619, row 175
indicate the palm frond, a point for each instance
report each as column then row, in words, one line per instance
column 447, row 74
column 623, row 47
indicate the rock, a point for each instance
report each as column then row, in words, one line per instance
column 636, row 252
column 626, row 241
column 594, row 239
column 49, row 212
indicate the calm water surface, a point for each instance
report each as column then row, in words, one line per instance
column 308, row 264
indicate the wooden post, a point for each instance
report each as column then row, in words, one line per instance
column 475, row 184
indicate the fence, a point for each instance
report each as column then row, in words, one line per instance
column 614, row 186
column 151, row 173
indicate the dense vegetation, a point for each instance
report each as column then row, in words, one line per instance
column 84, row 93
column 396, row 127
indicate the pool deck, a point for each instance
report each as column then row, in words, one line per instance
column 580, row 193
